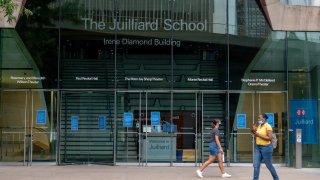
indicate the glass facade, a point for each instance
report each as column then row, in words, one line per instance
column 140, row 81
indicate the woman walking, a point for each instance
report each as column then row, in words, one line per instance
column 263, row 147
column 215, row 151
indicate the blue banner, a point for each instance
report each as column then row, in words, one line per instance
column 304, row 116
column 155, row 118
column 41, row 117
column 270, row 119
column 102, row 122
column 74, row 123
column 128, row 119
column 241, row 121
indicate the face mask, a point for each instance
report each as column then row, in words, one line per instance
column 260, row 122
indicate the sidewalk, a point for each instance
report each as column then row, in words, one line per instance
column 101, row 172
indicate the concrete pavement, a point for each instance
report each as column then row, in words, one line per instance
column 104, row 172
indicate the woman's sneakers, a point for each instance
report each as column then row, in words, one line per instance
column 226, row 175
column 199, row 173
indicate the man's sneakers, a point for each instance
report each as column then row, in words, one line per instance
column 226, row 175
column 199, row 173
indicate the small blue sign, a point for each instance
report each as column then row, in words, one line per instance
column 270, row 119
column 241, row 121
column 41, row 117
column 128, row 119
column 102, row 122
column 167, row 127
column 74, row 123
column 155, row 118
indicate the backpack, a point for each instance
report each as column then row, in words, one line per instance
column 274, row 140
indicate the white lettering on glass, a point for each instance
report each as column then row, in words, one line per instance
column 136, row 25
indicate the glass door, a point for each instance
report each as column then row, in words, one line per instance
column 244, row 109
column 159, row 139
column 14, row 131
column 186, row 116
column 43, row 126
column 130, row 115
column 212, row 106
column 87, row 124
column 242, row 115
column 28, row 127
column 157, row 127
column 275, row 106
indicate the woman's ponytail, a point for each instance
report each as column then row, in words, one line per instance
column 215, row 122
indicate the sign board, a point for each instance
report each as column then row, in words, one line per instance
column 304, row 116
column 74, row 123
column 102, row 122
column 128, row 119
column 155, row 118
column 160, row 148
column 41, row 117
column 270, row 119
column 241, row 121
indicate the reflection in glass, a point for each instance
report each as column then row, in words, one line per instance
column 37, row 39
column 262, row 67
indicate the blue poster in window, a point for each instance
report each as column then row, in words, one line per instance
column 41, row 117
column 128, row 119
column 102, row 122
column 74, row 123
column 241, row 121
column 155, row 118
column 304, row 116
column 270, row 119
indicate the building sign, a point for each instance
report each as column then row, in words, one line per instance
column 128, row 119
column 41, row 117
column 200, row 79
column 241, row 121
column 144, row 79
column 270, row 119
column 136, row 25
column 258, row 82
column 304, row 116
column 160, row 79
column 102, row 122
column 86, row 78
column 142, row 42
column 27, row 79
column 74, row 123
column 159, row 148
column 155, row 118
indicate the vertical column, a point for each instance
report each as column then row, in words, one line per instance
column 298, row 149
